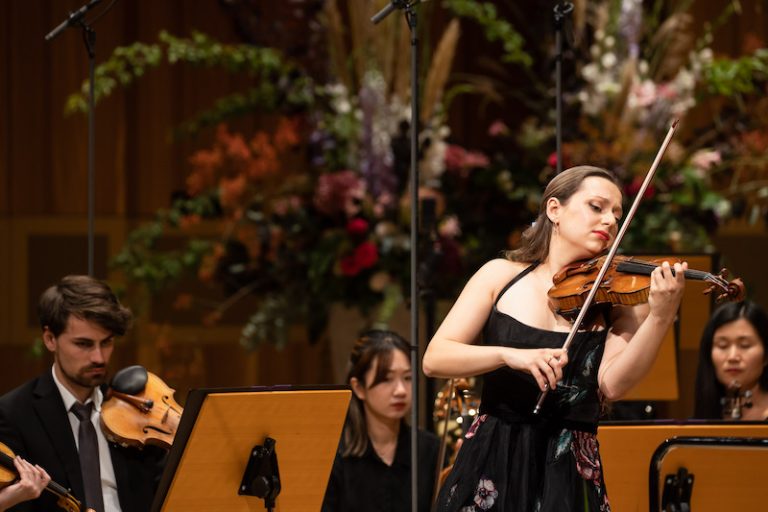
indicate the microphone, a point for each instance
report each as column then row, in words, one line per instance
column 73, row 18
column 387, row 10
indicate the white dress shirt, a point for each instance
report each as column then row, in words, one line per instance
column 108, row 481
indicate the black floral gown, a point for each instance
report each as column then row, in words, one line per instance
column 512, row 460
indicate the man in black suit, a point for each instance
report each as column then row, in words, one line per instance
column 41, row 420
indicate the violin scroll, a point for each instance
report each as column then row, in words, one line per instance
column 733, row 291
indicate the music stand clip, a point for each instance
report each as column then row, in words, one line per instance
column 262, row 476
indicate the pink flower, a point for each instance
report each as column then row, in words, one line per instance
column 498, row 128
column 458, row 159
column 706, row 158
column 475, row 425
column 450, row 227
column 643, row 94
column 339, row 192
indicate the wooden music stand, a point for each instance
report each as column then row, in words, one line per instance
column 216, row 438
column 626, row 449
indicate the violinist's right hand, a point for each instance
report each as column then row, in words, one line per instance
column 32, row 481
column 544, row 364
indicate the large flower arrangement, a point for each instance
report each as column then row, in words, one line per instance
column 313, row 206
column 629, row 73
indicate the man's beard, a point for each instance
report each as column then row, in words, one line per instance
column 83, row 380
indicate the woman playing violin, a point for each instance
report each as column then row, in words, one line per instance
column 732, row 377
column 502, row 327
column 31, row 482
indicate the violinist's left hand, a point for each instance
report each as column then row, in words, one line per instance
column 32, row 480
column 666, row 290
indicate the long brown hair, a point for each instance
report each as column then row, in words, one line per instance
column 534, row 245
column 373, row 345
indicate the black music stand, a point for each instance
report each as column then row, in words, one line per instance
column 231, row 442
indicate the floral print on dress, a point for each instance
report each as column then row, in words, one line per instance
column 486, row 494
column 584, row 449
column 475, row 425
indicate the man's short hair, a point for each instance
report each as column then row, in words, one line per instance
column 86, row 298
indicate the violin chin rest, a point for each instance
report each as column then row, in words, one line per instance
column 130, row 380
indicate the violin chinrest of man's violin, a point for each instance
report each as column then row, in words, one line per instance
column 131, row 380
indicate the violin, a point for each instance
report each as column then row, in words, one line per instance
column 735, row 400
column 627, row 282
column 9, row 474
column 139, row 410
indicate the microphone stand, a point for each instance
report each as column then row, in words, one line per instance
column 408, row 6
column 76, row 18
column 561, row 12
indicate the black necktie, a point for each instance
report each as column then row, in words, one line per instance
column 89, row 456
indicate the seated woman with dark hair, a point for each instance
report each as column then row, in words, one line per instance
column 732, row 379
column 372, row 469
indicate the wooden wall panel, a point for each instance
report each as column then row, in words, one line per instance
column 5, row 105
column 29, row 137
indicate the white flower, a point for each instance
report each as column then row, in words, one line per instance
column 685, row 81
column 608, row 87
column 608, row 60
column 590, row 72
column 609, row 42
column 343, row 106
column 723, row 208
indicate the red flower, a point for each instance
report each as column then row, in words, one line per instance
column 364, row 256
column 357, row 227
column 552, row 160
column 349, row 266
column 367, row 254
column 633, row 188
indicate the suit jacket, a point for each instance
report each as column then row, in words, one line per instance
column 34, row 424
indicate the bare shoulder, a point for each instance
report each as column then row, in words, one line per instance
column 498, row 272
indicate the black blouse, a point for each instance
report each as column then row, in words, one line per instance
column 367, row 484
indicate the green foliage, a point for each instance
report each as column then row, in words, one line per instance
column 280, row 83
column 728, row 77
column 142, row 261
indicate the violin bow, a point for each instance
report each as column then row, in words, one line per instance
column 612, row 252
